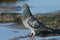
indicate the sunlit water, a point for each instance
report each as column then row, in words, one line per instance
column 42, row 6
column 38, row 6
column 7, row 33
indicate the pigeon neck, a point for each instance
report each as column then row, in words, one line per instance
column 27, row 13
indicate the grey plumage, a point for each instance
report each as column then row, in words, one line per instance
column 32, row 23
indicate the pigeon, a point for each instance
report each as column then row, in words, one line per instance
column 31, row 22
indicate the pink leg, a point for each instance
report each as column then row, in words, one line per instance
column 31, row 36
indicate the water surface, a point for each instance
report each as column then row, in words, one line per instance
column 37, row 6
column 42, row 6
column 7, row 33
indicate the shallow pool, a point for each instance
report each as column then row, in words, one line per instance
column 7, row 33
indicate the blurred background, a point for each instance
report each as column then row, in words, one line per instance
column 46, row 11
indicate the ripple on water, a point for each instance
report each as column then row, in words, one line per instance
column 10, row 33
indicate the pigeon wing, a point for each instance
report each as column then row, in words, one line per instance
column 34, row 23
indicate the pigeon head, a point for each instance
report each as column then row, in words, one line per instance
column 26, row 11
column 25, row 6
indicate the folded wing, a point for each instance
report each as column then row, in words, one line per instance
column 34, row 23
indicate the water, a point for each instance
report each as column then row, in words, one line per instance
column 38, row 6
column 43, row 6
column 7, row 33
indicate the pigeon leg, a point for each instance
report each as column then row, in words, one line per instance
column 31, row 36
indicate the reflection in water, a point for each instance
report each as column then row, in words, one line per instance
column 7, row 2
column 10, row 33
column 10, row 2
column 36, row 38
column 7, row 33
column 52, row 38
column 40, row 6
